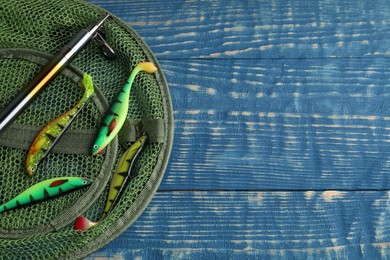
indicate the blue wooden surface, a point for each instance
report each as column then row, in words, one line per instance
column 282, row 130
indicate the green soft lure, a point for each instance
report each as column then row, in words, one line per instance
column 122, row 173
column 51, row 133
column 45, row 190
column 117, row 114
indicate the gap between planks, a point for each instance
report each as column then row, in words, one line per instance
column 365, row 57
column 269, row 190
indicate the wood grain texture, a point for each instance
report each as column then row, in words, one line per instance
column 285, row 225
column 258, row 29
column 282, row 130
column 279, row 124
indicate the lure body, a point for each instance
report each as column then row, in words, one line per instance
column 45, row 190
column 119, row 181
column 122, row 173
column 117, row 113
column 51, row 133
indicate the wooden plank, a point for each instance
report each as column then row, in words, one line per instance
column 293, row 225
column 258, row 29
column 279, row 124
column 286, row 99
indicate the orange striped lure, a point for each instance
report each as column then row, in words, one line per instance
column 117, row 114
column 51, row 133
column 45, row 190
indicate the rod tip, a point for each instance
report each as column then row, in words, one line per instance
column 107, row 15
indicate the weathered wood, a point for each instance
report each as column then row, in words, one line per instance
column 282, row 116
column 324, row 224
column 279, row 124
column 258, row 29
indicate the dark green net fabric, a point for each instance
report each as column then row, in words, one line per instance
column 30, row 33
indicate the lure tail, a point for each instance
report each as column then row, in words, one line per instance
column 83, row 224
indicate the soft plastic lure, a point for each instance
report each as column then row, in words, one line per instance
column 117, row 114
column 45, row 190
column 122, row 174
column 119, row 181
column 51, row 133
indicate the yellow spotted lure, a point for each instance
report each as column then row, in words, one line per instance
column 119, row 181
column 51, row 133
column 45, row 190
column 121, row 176
column 117, row 114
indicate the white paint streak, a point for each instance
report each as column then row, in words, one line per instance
column 262, row 114
column 237, row 95
column 193, row 87
column 309, row 194
column 211, row 91
column 235, row 29
column 265, row 47
column 260, row 95
column 246, row 113
column 232, row 53
column 256, row 198
column 215, row 55
column 193, row 112
column 192, row 34
column 331, row 195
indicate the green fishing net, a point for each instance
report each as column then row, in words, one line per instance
column 31, row 32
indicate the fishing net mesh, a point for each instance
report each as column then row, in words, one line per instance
column 46, row 26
